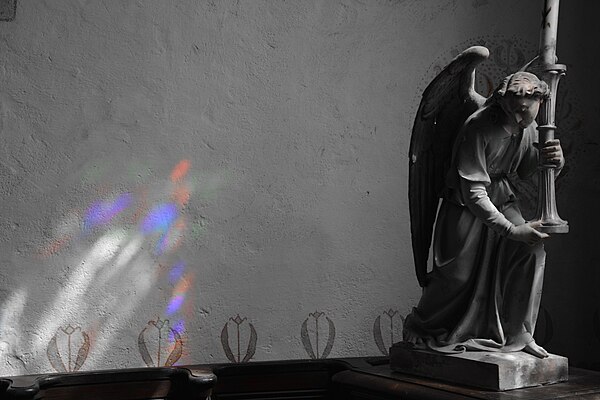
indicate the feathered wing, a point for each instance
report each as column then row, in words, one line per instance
column 446, row 103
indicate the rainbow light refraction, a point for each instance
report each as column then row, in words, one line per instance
column 176, row 272
column 172, row 238
column 160, row 218
column 180, row 170
column 164, row 219
column 137, row 227
column 175, row 304
column 178, row 327
column 103, row 212
column 179, row 292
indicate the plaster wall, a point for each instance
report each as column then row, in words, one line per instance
column 195, row 182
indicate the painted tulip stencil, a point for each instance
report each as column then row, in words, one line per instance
column 159, row 344
column 240, row 329
column 387, row 325
column 312, row 334
column 68, row 349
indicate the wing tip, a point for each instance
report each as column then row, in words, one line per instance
column 480, row 51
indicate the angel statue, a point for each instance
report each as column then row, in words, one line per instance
column 484, row 289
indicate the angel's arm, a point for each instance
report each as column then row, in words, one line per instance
column 473, row 178
column 479, row 203
column 473, row 181
column 476, row 199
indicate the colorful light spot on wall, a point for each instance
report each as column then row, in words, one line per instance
column 180, row 170
column 176, row 272
column 179, row 292
column 141, row 208
column 177, row 329
column 160, row 218
column 54, row 246
column 183, row 285
column 181, row 195
column 103, row 212
column 175, row 304
column 171, row 239
column 178, row 298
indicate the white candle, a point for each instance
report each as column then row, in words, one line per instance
column 549, row 32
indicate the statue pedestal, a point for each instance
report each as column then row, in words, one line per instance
column 486, row 370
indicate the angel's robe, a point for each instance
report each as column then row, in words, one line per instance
column 484, row 290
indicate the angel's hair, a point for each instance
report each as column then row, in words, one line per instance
column 523, row 84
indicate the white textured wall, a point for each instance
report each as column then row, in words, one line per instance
column 247, row 156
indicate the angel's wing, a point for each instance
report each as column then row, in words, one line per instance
column 447, row 102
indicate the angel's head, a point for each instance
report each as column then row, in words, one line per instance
column 520, row 96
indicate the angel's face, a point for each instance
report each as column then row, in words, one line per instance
column 523, row 109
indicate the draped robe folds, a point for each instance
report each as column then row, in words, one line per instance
column 484, row 290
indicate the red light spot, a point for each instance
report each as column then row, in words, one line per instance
column 54, row 247
column 180, row 170
column 183, row 285
column 181, row 195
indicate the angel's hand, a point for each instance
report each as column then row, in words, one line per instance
column 552, row 153
column 527, row 233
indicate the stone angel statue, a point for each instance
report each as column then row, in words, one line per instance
column 484, row 287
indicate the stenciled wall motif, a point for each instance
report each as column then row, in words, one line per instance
column 160, row 344
column 317, row 340
column 68, row 349
column 235, row 347
column 387, row 330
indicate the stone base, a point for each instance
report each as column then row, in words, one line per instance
column 482, row 369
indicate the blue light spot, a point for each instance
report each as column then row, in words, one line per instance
column 103, row 212
column 178, row 328
column 160, row 218
column 176, row 272
column 175, row 304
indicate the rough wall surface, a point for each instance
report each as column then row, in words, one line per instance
column 204, row 181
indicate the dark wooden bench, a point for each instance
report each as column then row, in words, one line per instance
column 336, row 379
column 176, row 383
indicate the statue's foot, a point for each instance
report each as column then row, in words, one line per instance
column 534, row 349
column 409, row 337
